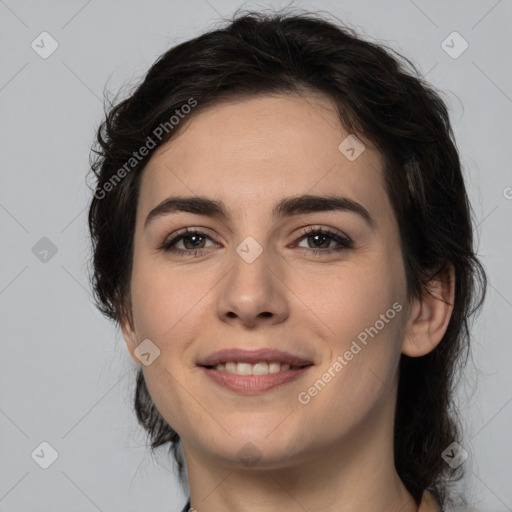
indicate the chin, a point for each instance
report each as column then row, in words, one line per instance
column 263, row 447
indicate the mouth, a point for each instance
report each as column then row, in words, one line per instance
column 253, row 372
column 259, row 368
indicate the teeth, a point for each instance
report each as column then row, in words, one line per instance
column 243, row 369
column 274, row 367
column 262, row 368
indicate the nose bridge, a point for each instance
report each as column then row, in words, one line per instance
column 253, row 251
column 251, row 264
column 252, row 287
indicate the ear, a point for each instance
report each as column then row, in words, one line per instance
column 430, row 315
column 128, row 330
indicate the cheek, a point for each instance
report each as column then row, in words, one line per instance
column 364, row 311
column 167, row 307
column 355, row 298
column 360, row 372
column 165, row 303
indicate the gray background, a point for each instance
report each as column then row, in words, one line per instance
column 66, row 377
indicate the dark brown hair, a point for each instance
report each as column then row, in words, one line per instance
column 381, row 97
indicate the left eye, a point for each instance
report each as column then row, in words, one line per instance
column 193, row 242
column 321, row 235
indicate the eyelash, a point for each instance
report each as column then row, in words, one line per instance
column 344, row 241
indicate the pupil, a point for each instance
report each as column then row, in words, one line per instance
column 194, row 246
column 316, row 237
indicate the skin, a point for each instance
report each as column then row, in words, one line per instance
column 335, row 452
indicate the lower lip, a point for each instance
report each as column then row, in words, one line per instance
column 253, row 384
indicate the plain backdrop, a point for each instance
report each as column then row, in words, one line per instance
column 66, row 378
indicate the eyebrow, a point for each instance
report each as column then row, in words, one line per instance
column 286, row 207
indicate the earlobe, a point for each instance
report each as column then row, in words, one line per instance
column 430, row 316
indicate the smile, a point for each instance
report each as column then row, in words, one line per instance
column 253, row 378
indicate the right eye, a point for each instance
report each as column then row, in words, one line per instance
column 189, row 237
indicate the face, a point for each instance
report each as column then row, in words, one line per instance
column 322, row 282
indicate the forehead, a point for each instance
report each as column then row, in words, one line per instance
column 251, row 153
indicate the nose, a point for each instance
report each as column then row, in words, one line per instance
column 254, row 290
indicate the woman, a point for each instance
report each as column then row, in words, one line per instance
column 281, row 229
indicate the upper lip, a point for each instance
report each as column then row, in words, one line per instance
column 253, row 357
